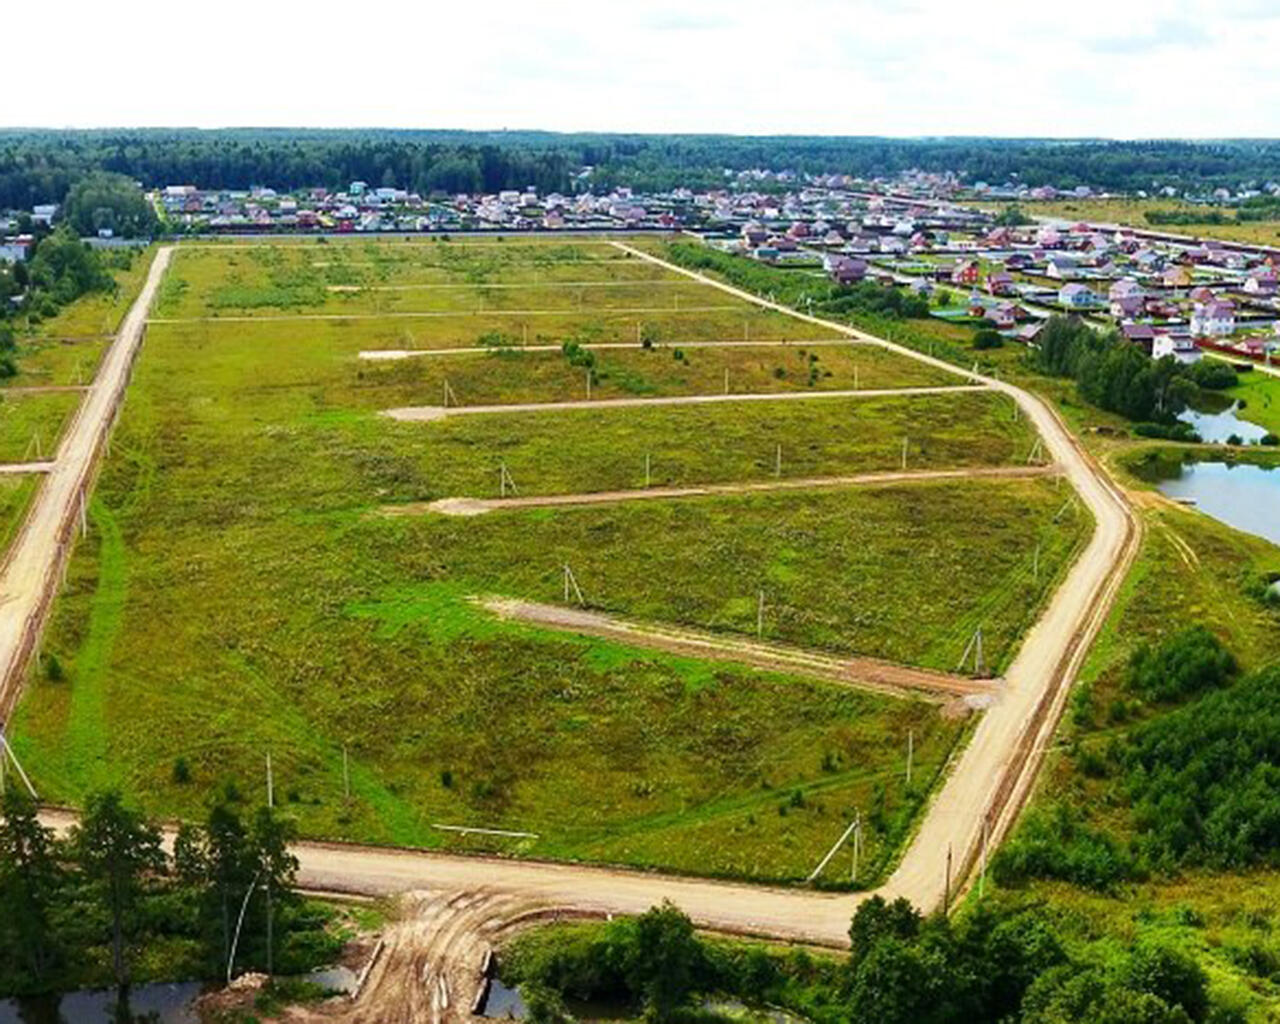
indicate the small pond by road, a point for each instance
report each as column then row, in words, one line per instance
column 1240, row 495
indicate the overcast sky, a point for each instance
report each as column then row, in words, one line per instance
column 1120, row 68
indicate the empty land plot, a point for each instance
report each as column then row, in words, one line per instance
column 510, row 375
column 494, row 331
column 31, row 424
column 55, row 362
column 266, row 278
column 905, row 572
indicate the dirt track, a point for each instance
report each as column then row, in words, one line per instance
column 858, row 673
column 479, row 506
column 427, row 413
column 36, row 556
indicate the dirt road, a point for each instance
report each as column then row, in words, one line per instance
column 35, row 558
column 426, row 413
column 858, row 673
column 479, row 506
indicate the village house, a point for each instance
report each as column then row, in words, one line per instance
column 965, row 272
column 1183, row 350
column 1216, row 319
column 1062, row 268
column 1000, row 282
column 1076, row 296
column 846, row 270
column 1261, row 282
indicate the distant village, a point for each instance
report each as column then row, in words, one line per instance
column 1171, row 296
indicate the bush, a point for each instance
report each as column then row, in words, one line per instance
column 988, row 339
column 1213, row 374
column 1189, row 662
column 1057, row 845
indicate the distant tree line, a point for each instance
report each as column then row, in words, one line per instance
column 996, row 963
column 77, row 911
column 39, row 166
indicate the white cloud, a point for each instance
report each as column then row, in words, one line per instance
column 1139, row 69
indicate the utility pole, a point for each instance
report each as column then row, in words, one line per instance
column 271, row 789
column 777, row 462
column 346, row 774
column 570, row 581
column 6, row 749
column 904, row 453
column 726, row 380
column 857, row 846
column 760, row 616
column 1035, row 564
column 647, row 476
column 911, row 751
column 588, row 383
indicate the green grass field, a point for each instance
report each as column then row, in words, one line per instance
column 238, row 591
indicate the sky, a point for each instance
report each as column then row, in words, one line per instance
column 1112, row 68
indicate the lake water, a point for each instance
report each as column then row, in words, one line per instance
column 1216, row 427
column 1243, row 496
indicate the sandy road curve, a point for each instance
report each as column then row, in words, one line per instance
column 426, row 413
column 480, row 506
column 982, row 794
column 35, row 558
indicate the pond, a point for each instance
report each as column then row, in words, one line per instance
column 1216, row 426
column 159, row 1003
column 1244, row 496
column 166, row 1003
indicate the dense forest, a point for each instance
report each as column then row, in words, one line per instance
column 42, row 165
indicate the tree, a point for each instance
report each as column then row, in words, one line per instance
column 276, row 866
column 229, row 867
column 117, row 849
column 663, row 960
column 876, row 919
column 30, row 877
column 105, row 200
